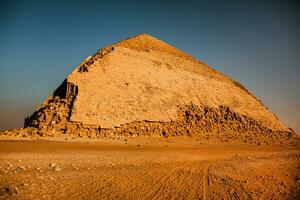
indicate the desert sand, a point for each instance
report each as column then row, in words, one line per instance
column 148, row 168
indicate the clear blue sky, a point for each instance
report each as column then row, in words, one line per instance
column 254, row 42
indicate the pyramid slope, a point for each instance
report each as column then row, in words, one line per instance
column 144, row 79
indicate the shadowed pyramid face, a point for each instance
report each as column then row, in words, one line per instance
column 144, row 79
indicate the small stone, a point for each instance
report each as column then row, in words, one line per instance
column 8, row 190
column 74, row 167
column 112, row 164
column 52, row 164
column 57, row 169
column 23, row 184
column 21, row 168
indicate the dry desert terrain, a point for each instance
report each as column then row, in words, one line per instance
column 148, row 168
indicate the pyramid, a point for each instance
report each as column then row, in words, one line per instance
column 142, row 86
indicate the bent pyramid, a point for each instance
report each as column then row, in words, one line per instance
column 142, row 86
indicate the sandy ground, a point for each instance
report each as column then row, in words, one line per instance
column 148, row 169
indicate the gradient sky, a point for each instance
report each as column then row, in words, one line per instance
column 254, row 42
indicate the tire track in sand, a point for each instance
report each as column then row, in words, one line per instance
column 157, row 187
column 206, row 183
column 189, row 182
column 162, row 181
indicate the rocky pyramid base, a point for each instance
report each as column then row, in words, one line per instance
column 222, row 123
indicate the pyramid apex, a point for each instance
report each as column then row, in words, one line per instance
column 146, row 42
column 141, row 38
column 143, row 35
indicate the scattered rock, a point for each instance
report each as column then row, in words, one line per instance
column 52, row 164
column 23, row 185
column 57, row 169
column 7, row 191
column 21, row 168
column 76, row 168
column 110, row 163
